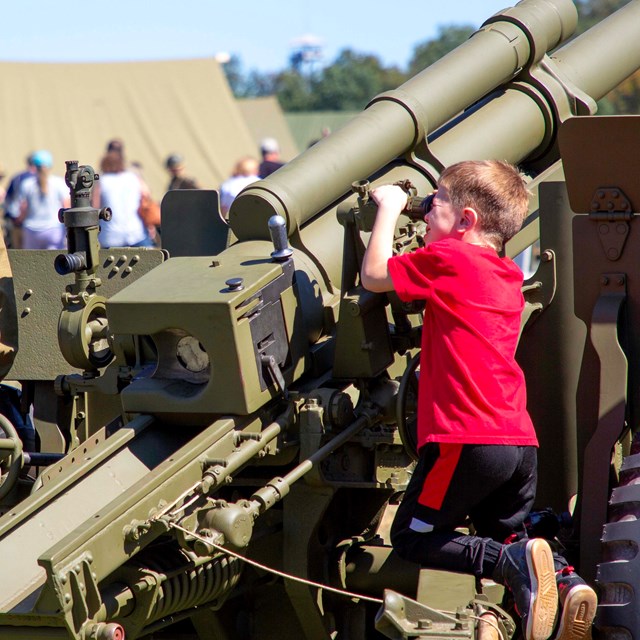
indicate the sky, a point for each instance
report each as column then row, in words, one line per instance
column 263, row 34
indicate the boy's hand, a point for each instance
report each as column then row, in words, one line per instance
column 374, row 273
column 390, row 198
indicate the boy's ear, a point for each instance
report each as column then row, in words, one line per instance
column 468, row 219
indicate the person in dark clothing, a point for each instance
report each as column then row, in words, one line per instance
column 175, row 167
column 271, row 161
column 13, row 232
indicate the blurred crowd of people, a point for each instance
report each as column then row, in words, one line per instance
column 34, row 196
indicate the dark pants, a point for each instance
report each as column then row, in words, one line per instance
column 492, row 485
column 10, row 408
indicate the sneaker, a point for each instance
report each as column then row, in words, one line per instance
column 578, row 601
column 526, row 569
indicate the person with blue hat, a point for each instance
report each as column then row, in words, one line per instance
column 41, row 197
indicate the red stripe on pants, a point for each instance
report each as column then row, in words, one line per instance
column 438, row 479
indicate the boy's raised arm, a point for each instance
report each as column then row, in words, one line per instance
column 374, row 273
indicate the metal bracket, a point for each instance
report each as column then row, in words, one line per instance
column 78, row 592
column 612, row 403
column 540, row 289
column 401, row 618
column 611, row 210
column 269, row 362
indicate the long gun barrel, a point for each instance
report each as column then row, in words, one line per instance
column 522, row 115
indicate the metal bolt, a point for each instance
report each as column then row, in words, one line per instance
column 424, row 624
column 235, row 284
column 547, row 256
column 604, row 280
column 462, row 614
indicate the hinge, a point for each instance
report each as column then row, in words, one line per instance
column 611, row 210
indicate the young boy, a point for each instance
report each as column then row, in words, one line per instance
column 477, row 445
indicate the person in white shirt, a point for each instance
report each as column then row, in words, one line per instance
column 41, row 196
column 121, row 191
column 244, row 173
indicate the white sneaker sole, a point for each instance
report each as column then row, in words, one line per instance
column 578, row 613
column 544, row 592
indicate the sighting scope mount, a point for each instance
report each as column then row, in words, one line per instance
column 82, row 328
column 415, row 209
column 82, row 223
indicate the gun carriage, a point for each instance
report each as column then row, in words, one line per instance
column 225, row 424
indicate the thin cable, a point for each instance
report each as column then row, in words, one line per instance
column 182, row 496
column 286, row 576
column 318, row 585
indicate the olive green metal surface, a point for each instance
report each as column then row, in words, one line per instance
column 225, row 424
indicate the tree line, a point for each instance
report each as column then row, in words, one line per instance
column 350, row 81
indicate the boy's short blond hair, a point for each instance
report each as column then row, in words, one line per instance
column 495, row 190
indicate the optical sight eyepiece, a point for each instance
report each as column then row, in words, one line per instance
column 67, row 263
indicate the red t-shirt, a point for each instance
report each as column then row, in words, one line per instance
column 471, row 389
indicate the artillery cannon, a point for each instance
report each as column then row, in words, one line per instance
column 231, row 406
